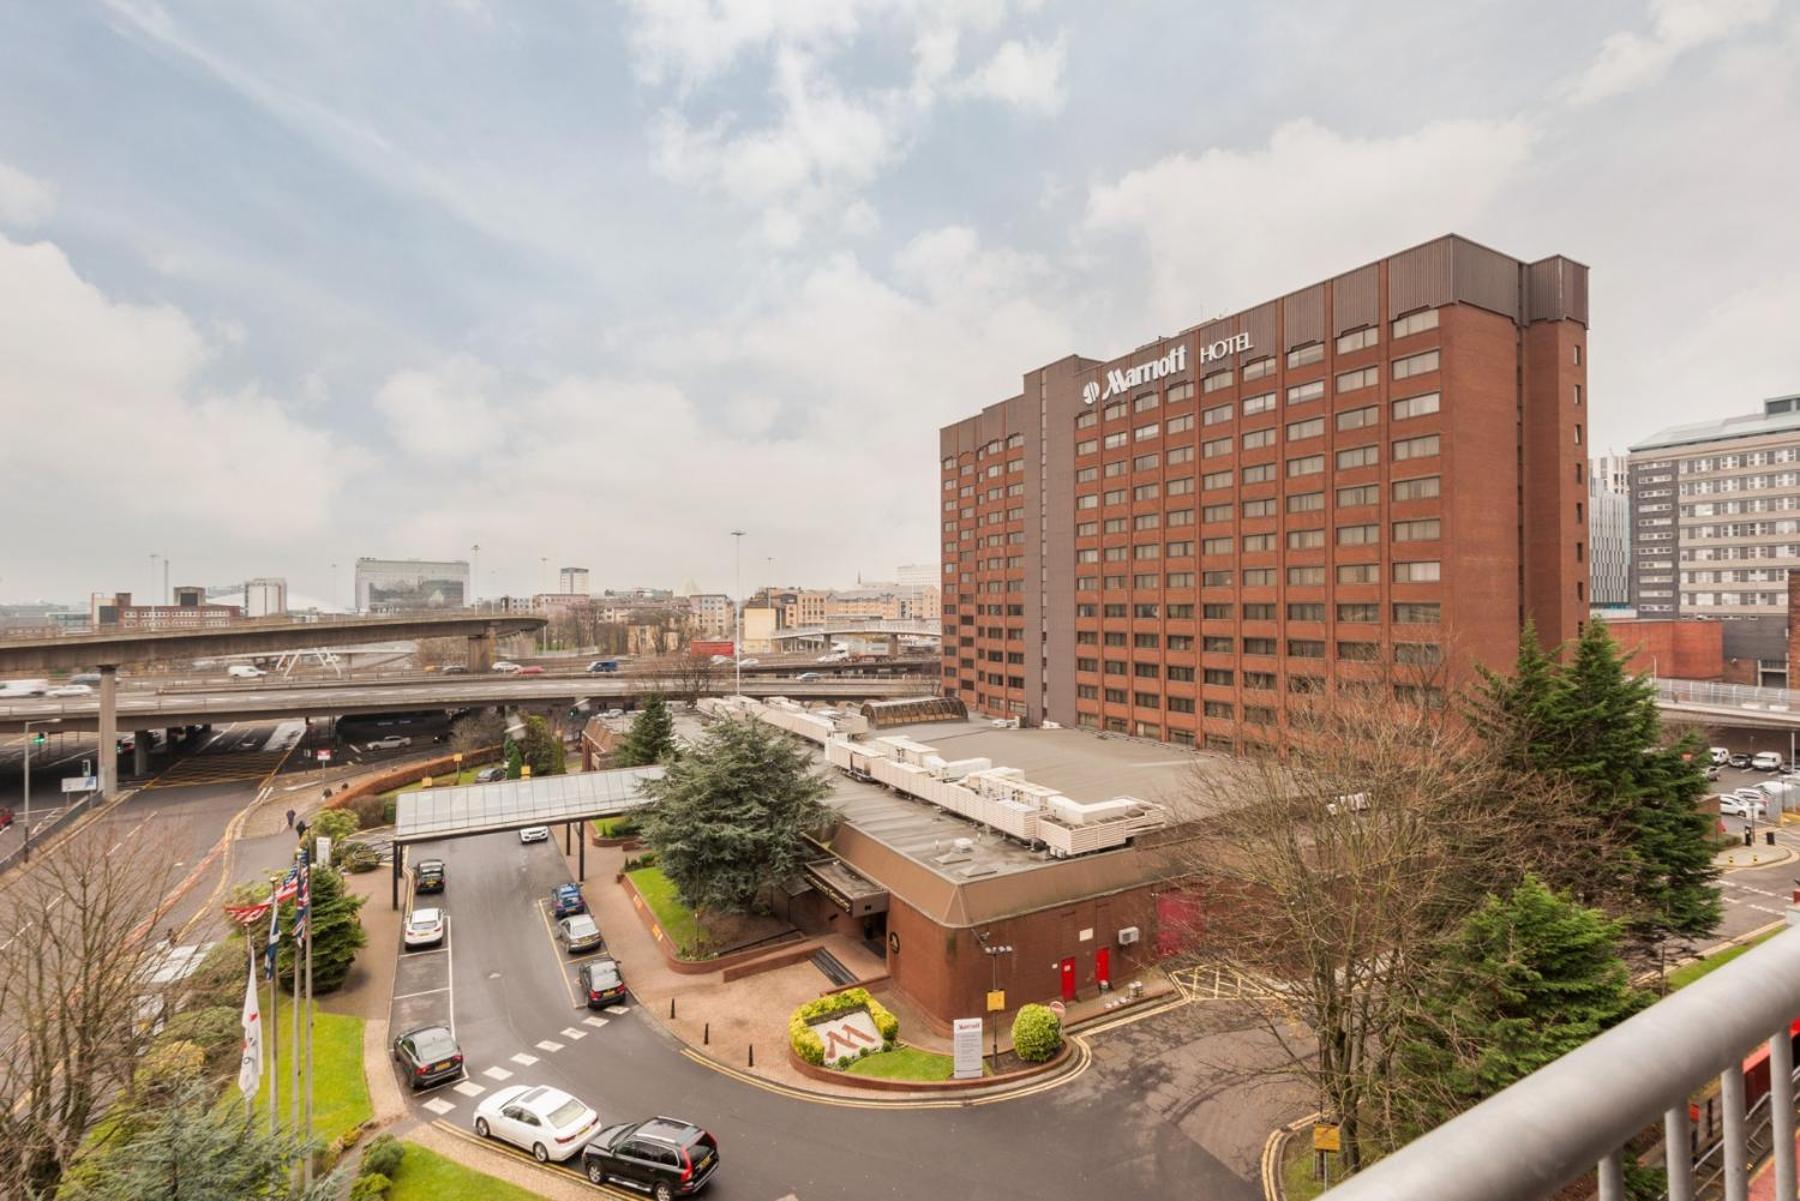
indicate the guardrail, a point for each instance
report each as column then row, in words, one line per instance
column 1716, row 695
column 1576, row 1114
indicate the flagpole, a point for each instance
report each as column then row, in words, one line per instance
column 294, row 1018
column 274, row 1021
column 309, row 1031
column 250, row 1096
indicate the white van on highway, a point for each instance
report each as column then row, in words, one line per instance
column 24, row 687
column 243, row 671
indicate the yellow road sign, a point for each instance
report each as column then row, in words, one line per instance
column 1325, row 1138
column 997, row 1001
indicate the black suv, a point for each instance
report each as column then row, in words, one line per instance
column 429, row 1056
column 428, row 876
column 602, row 983
column 664, row 1157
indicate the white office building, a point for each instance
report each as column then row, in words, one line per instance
column 409, row 585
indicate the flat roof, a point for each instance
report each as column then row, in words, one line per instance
column 1747, row 425
column 509, row 804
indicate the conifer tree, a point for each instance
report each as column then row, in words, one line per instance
column 651, row 738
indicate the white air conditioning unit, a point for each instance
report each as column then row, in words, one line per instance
column 1129, row 935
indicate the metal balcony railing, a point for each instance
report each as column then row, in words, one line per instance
column 1578, row 1113
column 1714, row 695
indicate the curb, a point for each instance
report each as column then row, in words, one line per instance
column 1273, row 1152
column 1783, row 855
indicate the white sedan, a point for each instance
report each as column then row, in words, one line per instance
column 535, row 834
column 545, row 1121
column 424, row 928
column 392, row 742
column 71, row 690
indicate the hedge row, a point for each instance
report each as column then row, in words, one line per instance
column 808, row 1046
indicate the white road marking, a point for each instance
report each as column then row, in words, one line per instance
column 497, row 1074
column 524, row 1060
column 469, row 1088
column 618, row 1009
column 595, row 1022
column 440, row 1106
column 407, row 996
column 547, row 1045
column 573, row 1035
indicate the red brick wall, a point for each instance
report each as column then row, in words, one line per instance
column 1680, row 650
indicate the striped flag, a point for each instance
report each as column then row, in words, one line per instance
column 303, row 904
column 250, row 1066
column 245, row 914
column 289, row 886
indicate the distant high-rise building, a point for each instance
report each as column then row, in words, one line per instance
column 917, row 575
column 265, row 596
column 1609, row 532
column 1715, row 515
column 406, row 585
column 572, row 580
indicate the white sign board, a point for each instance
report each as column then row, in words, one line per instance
column 324, row 755
column 966, row 1041
column 81, row 784
column 847, row 1035
column 324, row 855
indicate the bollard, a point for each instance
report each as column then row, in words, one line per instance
column 706, row 1035
column 752, row 1054
column 671, row 1009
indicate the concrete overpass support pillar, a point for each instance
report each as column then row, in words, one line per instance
column 481, row 650
column 893, row 645
column 140, row 753
column 109, row 731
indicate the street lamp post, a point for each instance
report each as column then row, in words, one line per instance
column 993, row 953
column 737, row 605
column 48, row 721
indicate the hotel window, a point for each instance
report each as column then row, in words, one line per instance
column 1181, row 424
column 1115, row 468
column 1114, row 497
column 1087, row 501
column 1146, row 402
column 1304, row 392
column 1422, row 488
column 1259, row 542
column 1418, row 364
column 1087, row 556
column 1259, row 577
column 1309, row 465
column 1180, row 454
column 1305, row 539
column 1357, row 339
column 1350, row 381
column 1218, row 644
column 1216, row 415
column 1215, row 546
column 1114, row 554
column 1182, row 486
column 1306, row 575
column 1259, row 368
column 1417, row 653
column 1426, row 530
column 1216, row 479
column 1420, row 571
column 1305, row 648
column 1146, row 641
column 1086, row 638
column 1255, row 508
column 1114, row 610
column 1087, row 475
column 1180, row 642
column 1147, row 521
column 1367, row 613
column 1215, row 513
column 1147, row 550
column 1179, row 550
column 1262, row 473
column 1115, row 525
column 1216, row 612
column 1306, row 502
column 1114, row 441
column 1306, row 611
column 1115, row 410
column 1358, row 456
column 1363, row 494
column 1015, row 441
column 1180, row 392
column 1215, row 448
column 1259, row 404
column 1215, row 579
column 1300, row 356
column 1146, row 671
column 1218, row 709
column 1259, row 611
column 1145, row 583
column 1415, row 323
column 1087, row 692
column 1416, row 406
column 1087, row 447
column 1115, row 667
column 1416, row 448
column 1313, row 427
column 1257, row 439
column 1145, row 492
column 1217, row 380
column 1224, row 677
column 1087, row 419
column 1355, row 419
column 1358, row 535
column 1181, row 579
column 1263, row 681
column 1181, row 517
column 1143, row 432
column 1146, row 700
column 1087, row 665
column 949, row 462
column 1115, row 638
column 1359, row 652
column 1426, row 613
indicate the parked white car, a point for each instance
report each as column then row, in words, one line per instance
column 1720, row 755
column 535, row 834
column 389, row 743
column 545, row 1121
column 424, row 928
column 1731, row 805
column 1766, row 761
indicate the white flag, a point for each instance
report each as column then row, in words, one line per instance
column 250, row 1068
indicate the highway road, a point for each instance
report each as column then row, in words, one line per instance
column 1117, row 1130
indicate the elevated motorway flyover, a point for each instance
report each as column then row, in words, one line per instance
column 110, row 650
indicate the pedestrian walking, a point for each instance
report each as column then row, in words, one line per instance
column 290, row 817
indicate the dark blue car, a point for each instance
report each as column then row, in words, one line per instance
column 566, row 900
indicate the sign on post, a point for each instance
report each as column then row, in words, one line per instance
column 81, row 784
column 966, row 1042
column 323, row 858
column 324, row 754
column 996, row 1001
column 1325, row 1138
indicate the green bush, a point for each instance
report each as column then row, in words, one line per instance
column 382, row 1157
column 1036, row 1033
column 390, row 808
column 808, row 1046
column 371, row 810
column 357, row 857
column 371, row 1186
column 216, row 1029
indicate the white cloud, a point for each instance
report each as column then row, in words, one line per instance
column 1628, row 60
column 442, row 415
column 1228, row 228
column 24, row 200
column 1027, row 75
column 690, row 41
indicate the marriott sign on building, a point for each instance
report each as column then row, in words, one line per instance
column 1374, row 479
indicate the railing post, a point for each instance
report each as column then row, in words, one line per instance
column 1678, row 1153
column 1612, row 1178
column 1781, row 1111
column 1737, row 1166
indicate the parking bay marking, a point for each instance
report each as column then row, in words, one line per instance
column 497, row 1075
column 547, row 1045
column 595, row 1022
column 524, row 1060
column 440, row 1106
column 572, row 1034
column 469, row 1088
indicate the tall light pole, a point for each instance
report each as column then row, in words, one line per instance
column 737, row 605
column 993, row 953
column 475, row 573
column 48, row 721
column 154, row 583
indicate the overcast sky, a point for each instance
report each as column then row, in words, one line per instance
column 284, row 284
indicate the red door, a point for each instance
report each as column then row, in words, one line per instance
column 1103, row 966
column 1068, row 979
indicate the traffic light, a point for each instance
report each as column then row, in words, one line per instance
column 39, row 738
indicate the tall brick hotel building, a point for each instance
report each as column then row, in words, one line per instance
column 1371, row 474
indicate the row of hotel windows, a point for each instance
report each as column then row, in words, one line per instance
column 1410, row 654
column 1311, row 539
column 1422, row 487
column 1751, row 458
column 1348, row 459
column 1410, row 614
column 1416, row 572
column 1741, row 483
column 1402, row 409
column 1732, row 599
column 1744, row 575
column 1728, row 508
column 1405, row 613
column 1720, row 554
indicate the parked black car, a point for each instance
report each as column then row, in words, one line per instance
column 602, row 983
column 1740, row 760
column 429, row 1055
column 566, row 901
column 665, row 1157
column 428, row 876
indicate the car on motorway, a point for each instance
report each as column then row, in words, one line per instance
column 244, row 671
column 530, row 670
column 603, row 666
column 1720, row 755
column 750, row 663
column 720, row 660
column 424, row 928
column 70, row 690
column 664, row 1157
column 1733, row 805
column 428, row 1055
column 1766, row 761
column 566, row 900
column 505, row 667
column 454, row 669
column 1739, row 760
column 24, row 687
column 579, row 933
column 602, row 983
column 545, row 1121
column 535, row 834
column 90, row 678
column 428, row 876
column 390, row 742
column 808, row 675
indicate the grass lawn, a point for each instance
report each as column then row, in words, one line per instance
column 1685, row 975
column 907, row 1063
column 340, row 1094
column 677, row 921
column 427, row 1176
column 1297, row 1180
column 441, row 780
